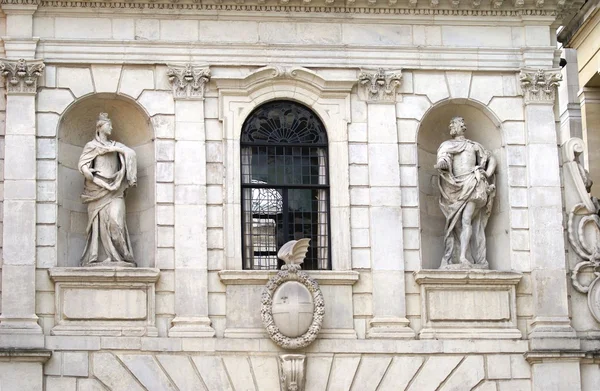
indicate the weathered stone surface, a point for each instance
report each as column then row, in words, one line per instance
column 109, row 371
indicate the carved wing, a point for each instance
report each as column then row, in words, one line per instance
column 299, row 251
column 294, row 251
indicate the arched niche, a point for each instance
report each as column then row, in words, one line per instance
column 483, row 127
column 132, row 127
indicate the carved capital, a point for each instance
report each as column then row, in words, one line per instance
column 379, row 85
column 21, row 76
column 539, row 86
column 188, row 81
column 291, row 371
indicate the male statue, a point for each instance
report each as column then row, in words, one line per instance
column 467, row 190
column 109, row 169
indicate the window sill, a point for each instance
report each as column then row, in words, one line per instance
column 260, row 277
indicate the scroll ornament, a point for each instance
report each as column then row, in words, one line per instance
column 583, row 226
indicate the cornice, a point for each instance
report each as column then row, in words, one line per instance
column 494, row 8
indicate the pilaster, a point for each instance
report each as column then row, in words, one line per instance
column 551, row 326
column 191, row 276
column 378, row 88
column 19, row 233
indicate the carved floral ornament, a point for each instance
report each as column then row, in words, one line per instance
column 291, row 276
column 21, row 76
column 379, row 85
column 583, row 227
column 188, row 81
column 539, row 86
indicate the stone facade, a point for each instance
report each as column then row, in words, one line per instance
column 178, row 79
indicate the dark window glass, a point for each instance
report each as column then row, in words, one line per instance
column 285, row 185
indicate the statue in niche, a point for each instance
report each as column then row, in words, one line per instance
column 109, row 169
column 466, row 181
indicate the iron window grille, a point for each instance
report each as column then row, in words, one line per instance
column 285, row 184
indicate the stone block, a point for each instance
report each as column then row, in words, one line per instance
column 435, row 370
column 112, row 373
column 299, row 33
column 214, row 195
column 78, row 80
column 61, row 383
column 55, row 101
column 498, row 366
column 89, row 385
column 514, row 385
column 485, row 87
column 451, row 306
column 477, row 36
column 19, row 157
column 412, row 107
column 106, row 77
column 507, row 109
column 147, row 371
column 358, row 154
column 361, row 258
column 427, row 35
column 147, row 29
column 22, row 376
column 127, row 297
column 134, row 80
column 359, row 175
column 155, row 102
column 433, row 85
column 190, row 156
column 75, row 364
column 178, row 30
column 54, row 365
column 407, row 154
column 543, row 165
column 359, row 196
column 123, row 29
column 43, row 27
column 80, row 28
column 165, row 193
column 376, row 34
column 514, row 133
column 181, row 371
column 165, row 236
column 228, row 31
column 357, row 132
column 213, row 373
column 459, row 84
column 46, row 235
column 46, row 169
column 47, row 124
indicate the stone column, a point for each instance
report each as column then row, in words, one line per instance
column 551, row 327
column 18, row 270
column 378, row 88
column 191, row 276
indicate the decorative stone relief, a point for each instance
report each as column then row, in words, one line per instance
column 21, row 76
column 292, row 303
column 188, row 81
column 292, row 368
column 540, row 85
column 109, row 168
column 379, row 85
column 466, row 180
column 583, row 226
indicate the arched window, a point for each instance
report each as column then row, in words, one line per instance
column 285, row 184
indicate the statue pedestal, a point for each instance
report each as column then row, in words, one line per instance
column 113, row 301
column 468, row 304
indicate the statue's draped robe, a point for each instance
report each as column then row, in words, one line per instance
column 106, row 208
column 456, row 192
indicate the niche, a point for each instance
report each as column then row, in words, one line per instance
column 484, row 128
column 132, row 127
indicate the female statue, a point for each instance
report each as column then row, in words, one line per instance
column 109, row 169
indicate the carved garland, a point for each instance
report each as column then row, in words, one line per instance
column 287, row 273
column 581, row 217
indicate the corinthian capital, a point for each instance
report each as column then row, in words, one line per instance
column 539, row 86
column 188, row 81
column 21, row 76
column 379, row 85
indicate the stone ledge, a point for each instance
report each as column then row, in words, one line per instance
column 536, row 357
column 103, row 274
column 260, row 277
column 462, row 277
column 25, row 355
